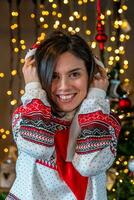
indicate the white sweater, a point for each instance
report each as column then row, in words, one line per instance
column 43, row 170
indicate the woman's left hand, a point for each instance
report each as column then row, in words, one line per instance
column 100, row 80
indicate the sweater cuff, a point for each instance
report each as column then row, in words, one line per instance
column 33, row 85
column 96, row 93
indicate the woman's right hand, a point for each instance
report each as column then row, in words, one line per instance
column 30, row 71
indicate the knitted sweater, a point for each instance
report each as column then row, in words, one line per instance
column 55, row 164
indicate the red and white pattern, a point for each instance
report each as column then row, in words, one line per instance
column 42, row 140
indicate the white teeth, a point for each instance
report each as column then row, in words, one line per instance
column 66, row 97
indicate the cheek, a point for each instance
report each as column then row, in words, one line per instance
column 83, row 87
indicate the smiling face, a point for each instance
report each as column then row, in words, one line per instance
column 70, row 82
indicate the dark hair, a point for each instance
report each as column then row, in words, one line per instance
column 48, row 52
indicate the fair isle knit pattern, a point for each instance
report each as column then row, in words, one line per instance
column 42, row 172
column 98, row 131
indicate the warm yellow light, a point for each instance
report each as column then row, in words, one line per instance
column 45, row 26
column 9, row 92
column 126, row 80
column 57, row 22
column 116, row 24
column 4, row 137
column 117, row 58
column 75, row 13
column 54, row 5
column 71, row 18
column 108, row 12
column 7, row 132
column 122, row 36
column 117, row 173
column 5, row 150
column 13, row 72
column 13, row 102
column 55, row 26
column 126, row 171
column 121, row 48
column 117, row 163
column 120, row 11
column 92, row 0
column 32, row 15
column 102, row 16
column 23, row 47
column 22, row 60
column 16, row 49
column 121, row 181
column 113, row 191
column 14, row 26
column 2, row 130
column 125, row 163
column 70, row 29
column 64, row 26
column 85, row 1
column 111, row 58
column 14, row 14
column 77, row 16
column 110, row 62
column 126, row 62
column 51, row 1
column 22, row 92
column 41, row 19
column 2, row 75
column 109, row 49
column 125, row 66
column 127, row 37
column 84, row 18
column 116, row 51
column 124, row 7
column 120, row 22
column 59, row 15
column 45, row 12
column 122, row 71
column 77, row 29
column 54, row 13
column 13, row 40
column 88, row 32
column 112, row 38
column 80, row 2
column 65, row 1
column 93, row 45
column 22, row 42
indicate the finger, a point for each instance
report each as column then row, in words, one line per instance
column 102, row 72
column 97, row 76
column 30, row 62
column 29, row 59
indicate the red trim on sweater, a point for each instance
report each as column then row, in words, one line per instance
column 85, row 119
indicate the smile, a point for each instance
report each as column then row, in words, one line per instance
column 66, row 98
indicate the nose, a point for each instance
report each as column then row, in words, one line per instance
column 63, row 84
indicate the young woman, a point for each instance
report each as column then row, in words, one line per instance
column 64, row 131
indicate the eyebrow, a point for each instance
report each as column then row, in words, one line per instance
column 76, row 69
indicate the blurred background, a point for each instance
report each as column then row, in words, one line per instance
column 108, row 27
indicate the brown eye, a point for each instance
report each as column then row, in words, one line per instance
column 55, row 76
column 75, row 75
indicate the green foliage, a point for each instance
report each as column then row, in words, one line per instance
column 3, row 196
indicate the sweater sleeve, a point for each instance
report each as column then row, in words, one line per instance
column 31, row 124
column 95, row 100
column 97, row 143
column 33, row 90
